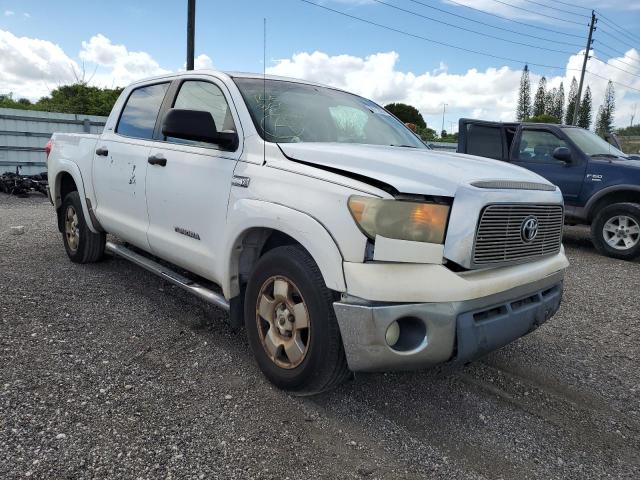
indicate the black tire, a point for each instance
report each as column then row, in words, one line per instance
column 631, row 210
column 90, row 246
column 324, row 365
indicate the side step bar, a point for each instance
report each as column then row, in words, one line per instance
column 169, row 275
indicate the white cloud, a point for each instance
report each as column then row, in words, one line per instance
column 30, row 67
column 489, row 94
column 123, row 66
column 202, row 62
column 9, row 13
column 26, row 15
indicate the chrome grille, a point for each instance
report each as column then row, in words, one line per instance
column 499, row 238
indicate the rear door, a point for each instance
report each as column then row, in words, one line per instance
column 188, row 193
column 485, row 139
column 533, row 150
column 120, row 166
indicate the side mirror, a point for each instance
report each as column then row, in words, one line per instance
column 563, row 154
column 197, row 125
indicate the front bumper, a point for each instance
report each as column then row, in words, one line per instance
column 458, row 331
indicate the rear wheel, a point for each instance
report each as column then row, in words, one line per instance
column 291, row 323
column 81, row 244
column 616, row 231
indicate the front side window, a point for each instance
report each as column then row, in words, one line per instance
column 538, row 146
column 140, row 113
column 204, row 96
column 290, row 112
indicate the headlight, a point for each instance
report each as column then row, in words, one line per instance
column 399, row 219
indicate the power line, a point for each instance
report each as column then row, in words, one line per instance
column 468, row 50
column 515, row 21
column 538, row 13
column 430, row 40
column 607, row 52
column 572, row 5
column 624, row 42
column 558, row 9
column 614, row 66
column 617, row 27
column 613, row 81
column 493, row 26
column 411, row 12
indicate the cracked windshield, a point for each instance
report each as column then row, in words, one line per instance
column 289, row 112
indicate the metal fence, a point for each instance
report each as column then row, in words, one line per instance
column 24, row 134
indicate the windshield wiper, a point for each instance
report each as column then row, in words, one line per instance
column 403, row 146
column 606, row 155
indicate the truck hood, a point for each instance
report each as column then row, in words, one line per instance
column 408, row 170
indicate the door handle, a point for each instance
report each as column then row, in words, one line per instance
column 102, row 151
column 157, row 159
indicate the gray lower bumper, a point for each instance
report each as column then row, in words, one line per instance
column 458, row 331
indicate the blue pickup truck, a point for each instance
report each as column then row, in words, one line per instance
column 600, row 184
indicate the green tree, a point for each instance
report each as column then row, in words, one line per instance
column 78, row 98
column 557, row 109
column 544, row 118
column 571, row 102
column 407, row 114
column 604, row 121
column 584, row 113
column 540, row 99
column 426, row 134
column 632, row 131
column 523, row 109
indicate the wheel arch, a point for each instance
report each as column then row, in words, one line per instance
column 68, row 179
column 256, row 226
column 611, row 195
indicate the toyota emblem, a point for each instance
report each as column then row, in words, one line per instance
column 529, row 229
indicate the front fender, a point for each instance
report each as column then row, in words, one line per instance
column 69, row 167
column 248, row 214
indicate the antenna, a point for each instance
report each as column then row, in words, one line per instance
column 264, row 93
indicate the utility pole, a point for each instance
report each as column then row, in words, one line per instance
column 592, row 27
column 444, row 109
column 191, row 32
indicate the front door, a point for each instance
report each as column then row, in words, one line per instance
column 120, row 166
column 188, row 184
column 534, row 151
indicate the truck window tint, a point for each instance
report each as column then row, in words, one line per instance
column 484, row 141
column 141, row 111
column 204, row 96
column 538, row 146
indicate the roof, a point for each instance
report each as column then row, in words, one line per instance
column 230, row 75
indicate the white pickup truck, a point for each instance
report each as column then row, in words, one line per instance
column 321, row 222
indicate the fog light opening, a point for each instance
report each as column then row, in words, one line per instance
column 393, row 334
column 406, row 334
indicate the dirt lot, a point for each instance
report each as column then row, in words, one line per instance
column 108, row 372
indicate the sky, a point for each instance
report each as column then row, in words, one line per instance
column 406, row 53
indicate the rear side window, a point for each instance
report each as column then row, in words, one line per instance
column 484, row 141
column 139, row 115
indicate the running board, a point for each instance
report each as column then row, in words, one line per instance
column 169, row 275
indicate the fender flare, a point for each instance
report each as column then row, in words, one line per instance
column 69, row 167
column 605, row 191
column 248, row 214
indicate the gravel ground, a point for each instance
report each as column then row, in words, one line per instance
column 108, row 372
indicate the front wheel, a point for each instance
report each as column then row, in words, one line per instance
column 616, row 231
column 291, row 323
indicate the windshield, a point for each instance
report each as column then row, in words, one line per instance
column 294, row 112
column 592, row 144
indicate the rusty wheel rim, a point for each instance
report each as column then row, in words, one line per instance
column 283, row 322
column 71, row 228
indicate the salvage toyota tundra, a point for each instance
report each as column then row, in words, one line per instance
column 325, row 226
